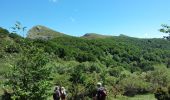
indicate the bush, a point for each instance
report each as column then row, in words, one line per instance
column 134, row 85
column 3, row 32
column 168, row 63
column 6, row 95
column 162, row 93
column 14, row 36
column 116, row 71
column 29, row 79
column 160, row 77
column 12, row 48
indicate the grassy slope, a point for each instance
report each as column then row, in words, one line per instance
column 43, row 32
column 137, row 97
column 95, row 36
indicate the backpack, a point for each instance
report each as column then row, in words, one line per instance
column 63, row 95
column 101, row 93
column 56, row 95
column 104, row 92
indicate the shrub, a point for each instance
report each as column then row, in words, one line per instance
column 3, row 32
column 162, row 93
column 29, row 79
column 160, row 77
column 12, row 48
column 134, row 85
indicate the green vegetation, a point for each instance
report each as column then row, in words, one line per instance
column 163, row 93
column 137, row 97
column 43, row 32
column 166, row 29
column 94, row 36
column 29, row 79
column 126, row 66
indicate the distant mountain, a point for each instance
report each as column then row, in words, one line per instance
column 122, row 35
column 95, row 36
column 42, row 32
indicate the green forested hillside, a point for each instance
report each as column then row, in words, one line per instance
column 125, row 65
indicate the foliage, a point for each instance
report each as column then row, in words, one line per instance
column 29, row 79
column 125, row 65
column 77, row 79
column 162, row 93
column 132, row 87
column 168, row 63
column 166, row 29
column 18, row 28
column 12, row 49
column 160, row 77
column 3, row 32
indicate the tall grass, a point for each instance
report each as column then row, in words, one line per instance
column 137, row 97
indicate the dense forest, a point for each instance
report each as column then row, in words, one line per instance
column 31, row 67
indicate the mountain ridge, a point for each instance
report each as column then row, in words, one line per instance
column 43, row 32
column 95, row 35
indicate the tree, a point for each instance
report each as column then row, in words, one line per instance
column 18, row 28
column 77, row 78
column 166, row 29
column 29, row 79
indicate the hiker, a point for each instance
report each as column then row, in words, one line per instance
column 101, row 92
column 56, row 94
column 63, row 93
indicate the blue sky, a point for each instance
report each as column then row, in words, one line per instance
column 137, row 18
